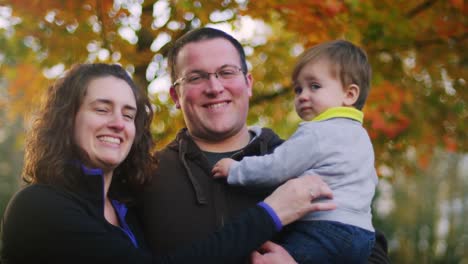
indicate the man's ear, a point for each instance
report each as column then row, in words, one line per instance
column 249, row 81
column 174, row 96
column 351, row 95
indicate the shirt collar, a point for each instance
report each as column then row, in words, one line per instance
column 346, row 112
column 91, row 171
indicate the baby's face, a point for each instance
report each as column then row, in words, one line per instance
column 317, row 90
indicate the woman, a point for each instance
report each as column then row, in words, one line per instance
column 88, row 152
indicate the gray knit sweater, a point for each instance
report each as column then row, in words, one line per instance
column 338, row 149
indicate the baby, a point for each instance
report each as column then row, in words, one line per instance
column 331, row 83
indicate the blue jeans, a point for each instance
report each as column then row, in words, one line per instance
column 327, row 242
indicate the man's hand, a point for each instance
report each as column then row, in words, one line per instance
column 221, row 168
column 293, row 199
column 271, row 253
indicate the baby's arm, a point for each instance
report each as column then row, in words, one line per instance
column 221, row 168
column 291, row 159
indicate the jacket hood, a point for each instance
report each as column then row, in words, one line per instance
column 264, row 139
column 263, row 142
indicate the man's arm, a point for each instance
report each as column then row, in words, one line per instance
column 271, row 253
column 379, row 253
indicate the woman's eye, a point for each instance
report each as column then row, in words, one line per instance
column 130, row 117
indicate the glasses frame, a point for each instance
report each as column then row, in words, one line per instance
column 206, row 75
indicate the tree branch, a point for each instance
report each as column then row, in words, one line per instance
column 268, row 96
column 100, row 11
column 420, row 8
column 436, row 41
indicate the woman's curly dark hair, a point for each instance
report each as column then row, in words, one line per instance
column 50, row 146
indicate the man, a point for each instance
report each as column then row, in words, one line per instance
column 212, row 88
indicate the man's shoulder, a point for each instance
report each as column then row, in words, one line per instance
column 379, row 252
column 181, row 148
column 265, row 140
column 272, row 139
column 265, row 134
column 181, row 139
column 170, row 153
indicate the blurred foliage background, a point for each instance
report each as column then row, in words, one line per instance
column 416, row 112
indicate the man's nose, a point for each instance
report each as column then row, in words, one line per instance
column 214, row 83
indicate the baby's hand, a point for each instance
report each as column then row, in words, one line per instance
column 221, row 168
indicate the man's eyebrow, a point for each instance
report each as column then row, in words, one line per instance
column 217, row 69
column 228, row 65
column 195, row 71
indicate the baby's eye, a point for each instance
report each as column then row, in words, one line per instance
column 314, row 86
column 297, row 90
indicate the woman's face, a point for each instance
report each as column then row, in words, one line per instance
column 105, row 122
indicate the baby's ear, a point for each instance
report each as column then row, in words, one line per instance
column 351, row 95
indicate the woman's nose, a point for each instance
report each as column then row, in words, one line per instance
column 117, row 122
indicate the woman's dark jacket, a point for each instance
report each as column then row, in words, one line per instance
column 50, row 224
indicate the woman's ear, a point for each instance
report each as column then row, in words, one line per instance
column 174, row 96
column 351, row 95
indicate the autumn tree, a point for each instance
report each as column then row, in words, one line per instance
column 417, row 104
column 416, row 51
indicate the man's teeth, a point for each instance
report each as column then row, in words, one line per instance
column 110, row 140
column 217, row 105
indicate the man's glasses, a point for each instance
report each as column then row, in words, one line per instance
column 224, row 75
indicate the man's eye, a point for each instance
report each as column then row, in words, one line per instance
column 101, row 110
column 227, row 73
column 194, row 78
column 297, row 90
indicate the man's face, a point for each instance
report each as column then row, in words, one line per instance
column 214, row 109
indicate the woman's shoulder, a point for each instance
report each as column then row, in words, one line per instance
column 36, row 209
column 27, row 207
column 39, row 192
column 37, row 198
